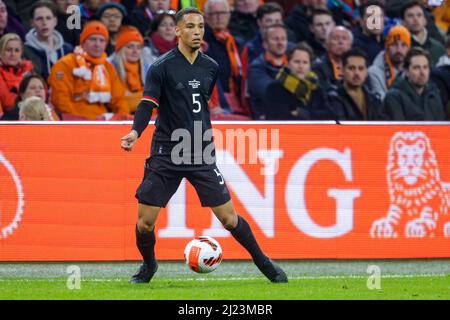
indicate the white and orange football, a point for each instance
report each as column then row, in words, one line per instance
column 203, row 254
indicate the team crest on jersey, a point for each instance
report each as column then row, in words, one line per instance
column 194, row 84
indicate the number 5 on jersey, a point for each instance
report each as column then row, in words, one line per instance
column 196, row 102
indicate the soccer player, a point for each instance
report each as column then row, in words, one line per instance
column 179, row 84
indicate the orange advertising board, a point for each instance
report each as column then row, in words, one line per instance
column 307, row 190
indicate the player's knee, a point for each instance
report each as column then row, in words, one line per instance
column 229, row 222
column 145, row 226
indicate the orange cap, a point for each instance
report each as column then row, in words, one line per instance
column 398, row 33
column 91, row 28
column 126, row 35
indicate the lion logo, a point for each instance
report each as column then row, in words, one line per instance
column 419, row 200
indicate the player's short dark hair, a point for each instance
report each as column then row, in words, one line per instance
column 354, row 52
column 320, row 12
column 408, row 5
column 180, row 14
column 301, row 46
column 363, row 7
column 44, row 4
column 268, row 8
column 415, row 52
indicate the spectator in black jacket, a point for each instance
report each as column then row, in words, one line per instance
column 413, row 18
column 321, row 24
column 9, row 24
column 295, row 94
column 441, row 76
column 142, row 15
column 243, row 19
column 267, row 15
column 329, row 67
column 415, row 98
column 223, row 48
column 71, row 35
column 369, row 36
column 351, row 100
column 265, row 68
column 300, row 17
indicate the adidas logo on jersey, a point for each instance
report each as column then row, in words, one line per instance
column 179, row 86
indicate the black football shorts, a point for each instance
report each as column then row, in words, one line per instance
column 160, row 183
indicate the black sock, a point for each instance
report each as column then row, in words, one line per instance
column 146, row 245
column 244, row 235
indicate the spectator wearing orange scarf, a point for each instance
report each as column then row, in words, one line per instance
column 389, row 63
column 84, row 84
column 132, row 61
column 222, row 46
column 329, row 67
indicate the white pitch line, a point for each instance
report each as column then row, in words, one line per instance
column 423, row 275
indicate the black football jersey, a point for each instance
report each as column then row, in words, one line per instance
column 181, row 91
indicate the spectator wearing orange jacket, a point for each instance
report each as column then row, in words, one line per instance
column 12, row 70
column 84, row 84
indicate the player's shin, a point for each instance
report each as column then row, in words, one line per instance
column 244, row 235
column 145, row 242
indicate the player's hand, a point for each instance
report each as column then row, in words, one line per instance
column 128, row 141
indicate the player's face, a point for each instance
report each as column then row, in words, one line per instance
column 355, row 72
column 190, row 30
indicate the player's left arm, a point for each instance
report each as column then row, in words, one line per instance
column 213, row 82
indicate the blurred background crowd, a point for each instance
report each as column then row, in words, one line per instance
column 279, row 60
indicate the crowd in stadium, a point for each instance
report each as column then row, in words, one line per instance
column 279, row 60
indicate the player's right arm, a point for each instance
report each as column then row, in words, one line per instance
column 141, row 119
column 150, row 100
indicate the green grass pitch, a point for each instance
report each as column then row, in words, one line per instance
column 236, row 280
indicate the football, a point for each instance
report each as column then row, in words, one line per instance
column 203, row 254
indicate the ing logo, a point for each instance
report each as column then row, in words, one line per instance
column 11, row 198
column 419, row 199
